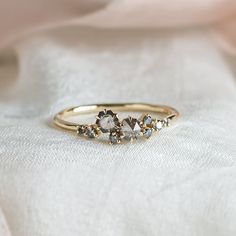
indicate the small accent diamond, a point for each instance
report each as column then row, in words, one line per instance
column 158, row 125
column 115, row 137
column 81, row 130
column 147, row 133
column 91, row 131
column 147, row 120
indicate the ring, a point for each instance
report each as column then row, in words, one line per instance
column 107, row 121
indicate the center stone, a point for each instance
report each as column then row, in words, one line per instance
column 131, row 128
column 107, row 122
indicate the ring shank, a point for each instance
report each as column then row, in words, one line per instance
column 59, row 120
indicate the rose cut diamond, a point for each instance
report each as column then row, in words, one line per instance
column 107, row 121
column 147, row 133
column 131, row 128
column 81, row 130
column 91, row 132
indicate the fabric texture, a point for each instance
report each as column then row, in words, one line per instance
column 19, row 19
column 180, row 182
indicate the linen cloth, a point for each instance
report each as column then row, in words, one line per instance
column 180, row 182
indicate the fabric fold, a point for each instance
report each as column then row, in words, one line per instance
column 4, row 229
column 59, row 184
column 33, row 16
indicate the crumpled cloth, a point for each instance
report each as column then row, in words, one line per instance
column 180, row 182
column 21, row 18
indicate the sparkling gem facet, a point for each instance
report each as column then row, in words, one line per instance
column 81, row 130
column 147, row 120
column 91, row 132
column 147, row 133
column 131, row 128
column 114, row 138
column 107, row 121
column 158, row 125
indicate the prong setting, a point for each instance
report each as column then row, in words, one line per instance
column 128, row 129
column 92, row 131
column 107, row 121
column 131, row 127
column 81, row 129
column 115, row 137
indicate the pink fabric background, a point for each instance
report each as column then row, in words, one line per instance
column 20, row 18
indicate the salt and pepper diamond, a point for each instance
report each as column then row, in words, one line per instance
column 107, row 121
column 131, row 128
column 116, row 137
column 158, row 125
column 146, row 120
column 92, row 131
column 147, row 125
column 147, row 133
column 81, row 130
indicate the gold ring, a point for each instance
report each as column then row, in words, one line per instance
column 107, row 121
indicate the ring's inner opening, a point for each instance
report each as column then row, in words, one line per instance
column 146, row 108
column 87, row 114
column 72, row 117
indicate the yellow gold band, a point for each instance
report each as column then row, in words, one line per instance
column 108, row 122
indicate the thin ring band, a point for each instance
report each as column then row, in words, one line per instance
column 108, row 122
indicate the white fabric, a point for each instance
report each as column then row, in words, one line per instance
column 181, row 182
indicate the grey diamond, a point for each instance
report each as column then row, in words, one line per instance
column 107, row 122
column 114, row 138
column 158, row 125
column 147, row 133
column 131, row 128
column 147, row 120
column 91, row 132
column 81, row 130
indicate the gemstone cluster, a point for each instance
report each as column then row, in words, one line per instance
column 128, row 129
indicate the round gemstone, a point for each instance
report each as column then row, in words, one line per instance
column 91, row 132
column 81, row 130
column 131, row 128
column 114, row 138
column 107, row 122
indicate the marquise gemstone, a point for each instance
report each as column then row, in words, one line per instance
column 147, row 133
column 147, row 120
